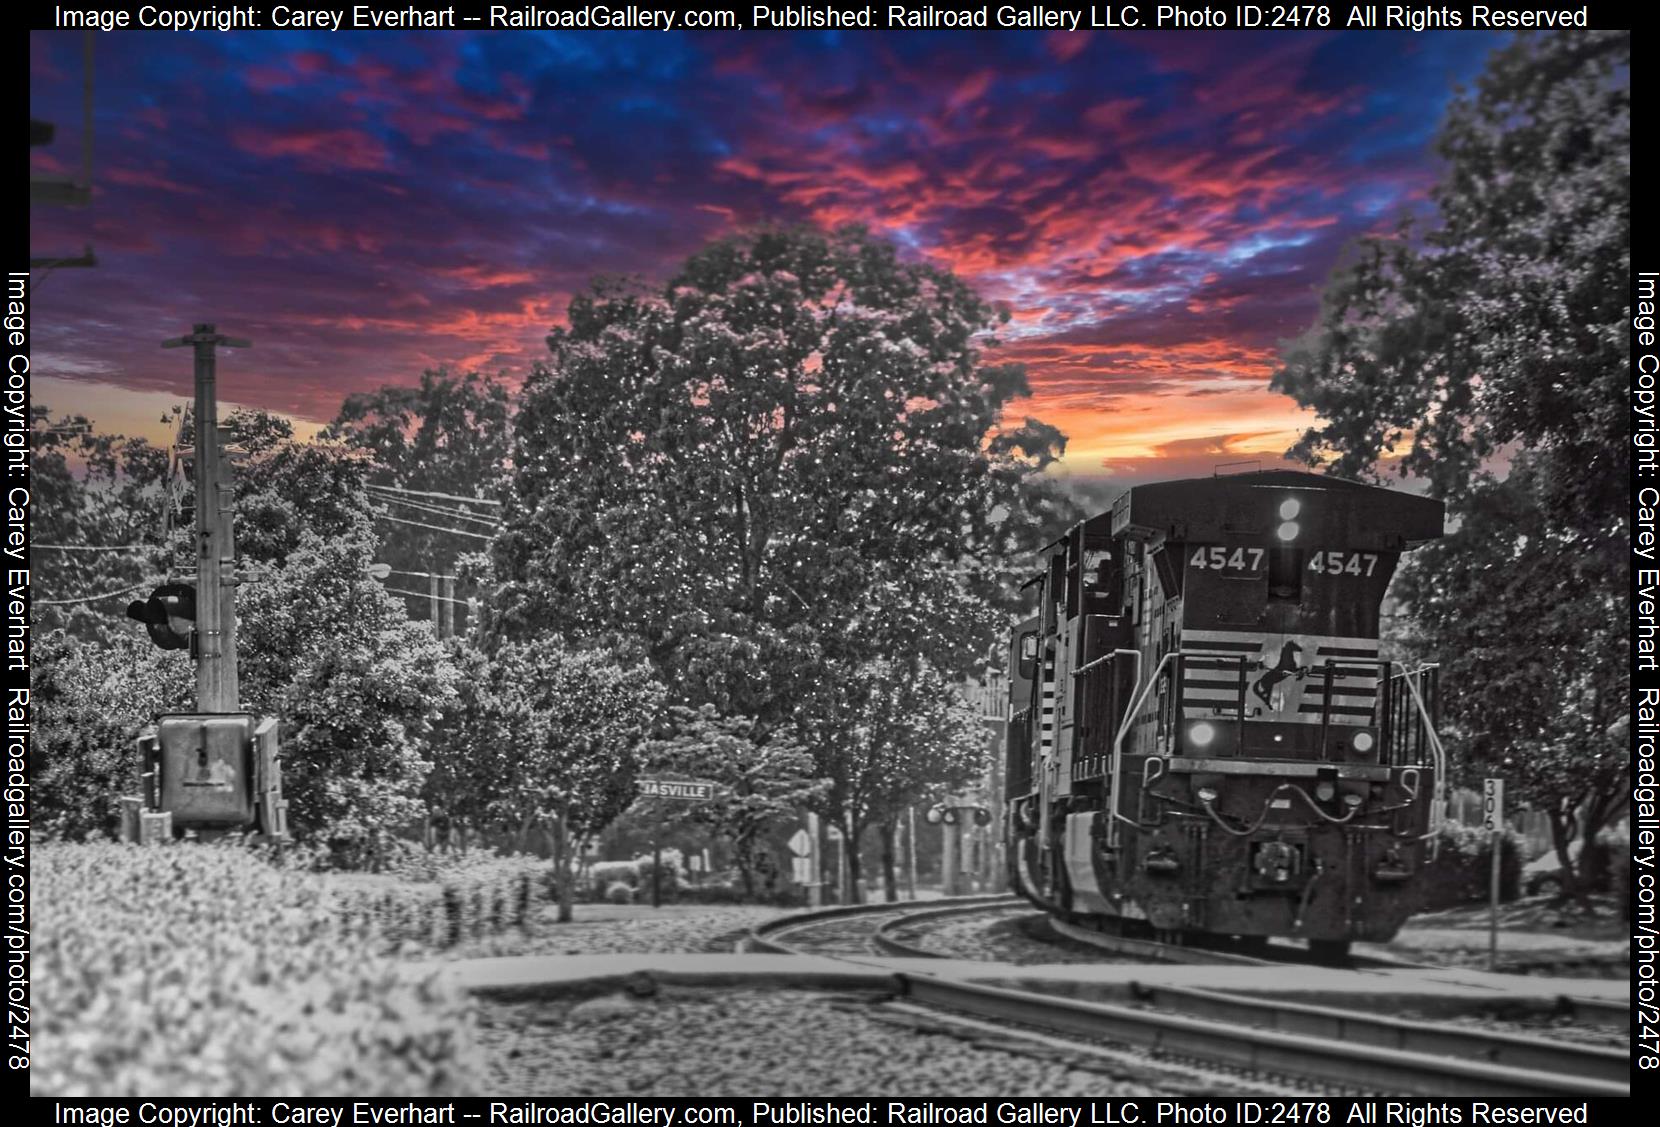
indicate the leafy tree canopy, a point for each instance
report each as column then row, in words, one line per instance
column 1486, row 354
column 1504, row 323
column 356, row 685
column 447, row 435
column 719, row 467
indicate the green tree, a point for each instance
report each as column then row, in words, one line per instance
column 90, row 700
column 1492, row 341
column 286, row 489
column 94, row 523
column 715, row 467
column 548, row 735
column 887, row 733
column 427, row 445
column 357, row 686
column 763, row 780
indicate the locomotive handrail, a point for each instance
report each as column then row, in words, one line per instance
column 1118, row 742
column 1102, row 660
column 1438, row 796
column 1082, row 669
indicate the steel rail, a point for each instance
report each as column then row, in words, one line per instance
column 1332, row 1024
column 768, row 936
column 1385, row 1055
column 1152, row 949
column 888, row 944
column 1367, row 1067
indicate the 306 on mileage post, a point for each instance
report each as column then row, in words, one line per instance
column 1254, row 1113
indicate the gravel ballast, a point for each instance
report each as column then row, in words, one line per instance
column 776, row 1043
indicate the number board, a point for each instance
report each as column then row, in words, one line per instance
column 1239, row 562
column 1358, row 564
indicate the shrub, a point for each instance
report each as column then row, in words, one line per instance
column 619, row 893
column 1462, row 871
column 603, row 874
column 674, row 873
column 203, row 970
column 443, row 898
column 90, row 702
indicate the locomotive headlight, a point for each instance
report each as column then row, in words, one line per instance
column 1207, row 795
column 1325, row 788
column 1290, row 508
column 1288, row 531
column 1352, row 800
column 1202, row 733
column 1363, row 741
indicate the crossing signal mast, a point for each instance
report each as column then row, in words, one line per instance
column 217, row 769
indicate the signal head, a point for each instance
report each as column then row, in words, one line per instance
column 169, row 614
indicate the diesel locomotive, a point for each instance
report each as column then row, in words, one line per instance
column 1204, row 737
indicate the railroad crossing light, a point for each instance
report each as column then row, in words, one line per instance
column 949, row 816
column 982, row 816
column 935, row 815
column 169, row 614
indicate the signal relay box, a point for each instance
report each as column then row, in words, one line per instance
column 207, row 769
column 215, row 772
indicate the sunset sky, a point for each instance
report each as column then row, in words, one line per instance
column 1160, row 210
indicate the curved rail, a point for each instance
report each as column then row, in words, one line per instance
column 1365, row 1066
column 1150, row 948
column 887, row 943
column 1384, row 1055
column 1328, row 1023
column 769, row 936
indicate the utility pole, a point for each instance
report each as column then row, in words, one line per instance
column 216, row 688
column 432, row 603
column 910, row 851
column 949, row 869
column 815, row 888
column 446, row 613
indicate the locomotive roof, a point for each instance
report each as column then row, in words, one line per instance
column 1207, row 508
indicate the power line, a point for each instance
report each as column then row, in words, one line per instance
column 437, row 510
column 92, row 598
column 433, row 527
column 438, row 496
column 93, row 547
column 426, row 595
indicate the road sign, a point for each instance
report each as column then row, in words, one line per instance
column 676, row 788
column 802, row 870
column 801, row 845
column 1492, row 805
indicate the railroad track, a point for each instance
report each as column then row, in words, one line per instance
column 1319, row 1043
column 861, row 929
